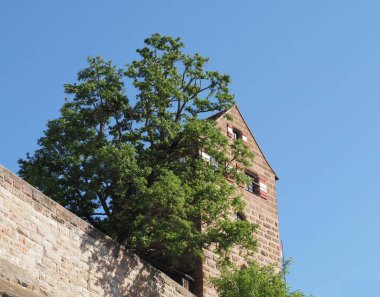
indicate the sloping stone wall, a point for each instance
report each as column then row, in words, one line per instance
column 45, row 250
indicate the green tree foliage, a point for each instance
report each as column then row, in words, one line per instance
column 132, row 167
column 253, row 281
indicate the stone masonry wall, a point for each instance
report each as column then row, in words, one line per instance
column 45, row 250
column 258, row 210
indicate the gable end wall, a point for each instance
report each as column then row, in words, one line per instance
column 262, row 212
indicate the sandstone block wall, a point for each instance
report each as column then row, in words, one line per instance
column 45, row 250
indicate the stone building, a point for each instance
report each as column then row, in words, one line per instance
column 45, row 250
column 260, row 201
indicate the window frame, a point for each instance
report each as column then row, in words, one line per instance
column 254, row 187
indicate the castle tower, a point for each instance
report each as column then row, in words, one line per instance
column 260, row 202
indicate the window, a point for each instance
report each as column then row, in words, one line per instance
column 206, row 156
column 240, row 217
column 209, row 159
column 237, row 134
column 253, row 183
column 214, row 163
column 233, row 132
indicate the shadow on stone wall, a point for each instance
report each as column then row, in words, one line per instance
column 113, row 271
column 16, row 282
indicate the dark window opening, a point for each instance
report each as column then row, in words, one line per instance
column 240, row 217
column 253, row 183
column 237, row 134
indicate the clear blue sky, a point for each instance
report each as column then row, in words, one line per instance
column 305, row 74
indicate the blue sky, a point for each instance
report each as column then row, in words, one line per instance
column 305, row 75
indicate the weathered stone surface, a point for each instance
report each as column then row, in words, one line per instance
column 46, row 251
column 15, row 275
column 9, row 289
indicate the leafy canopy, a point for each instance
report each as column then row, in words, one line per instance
column 132, row 167
column 253, row 281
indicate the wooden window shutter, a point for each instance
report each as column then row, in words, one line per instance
column 244, row 138
column 263, row 182
column 230, row 131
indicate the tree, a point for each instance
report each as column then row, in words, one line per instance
column 132, row 168
column 253, row 281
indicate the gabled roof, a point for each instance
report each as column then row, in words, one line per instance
column 223, row 112
column 218, row 115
